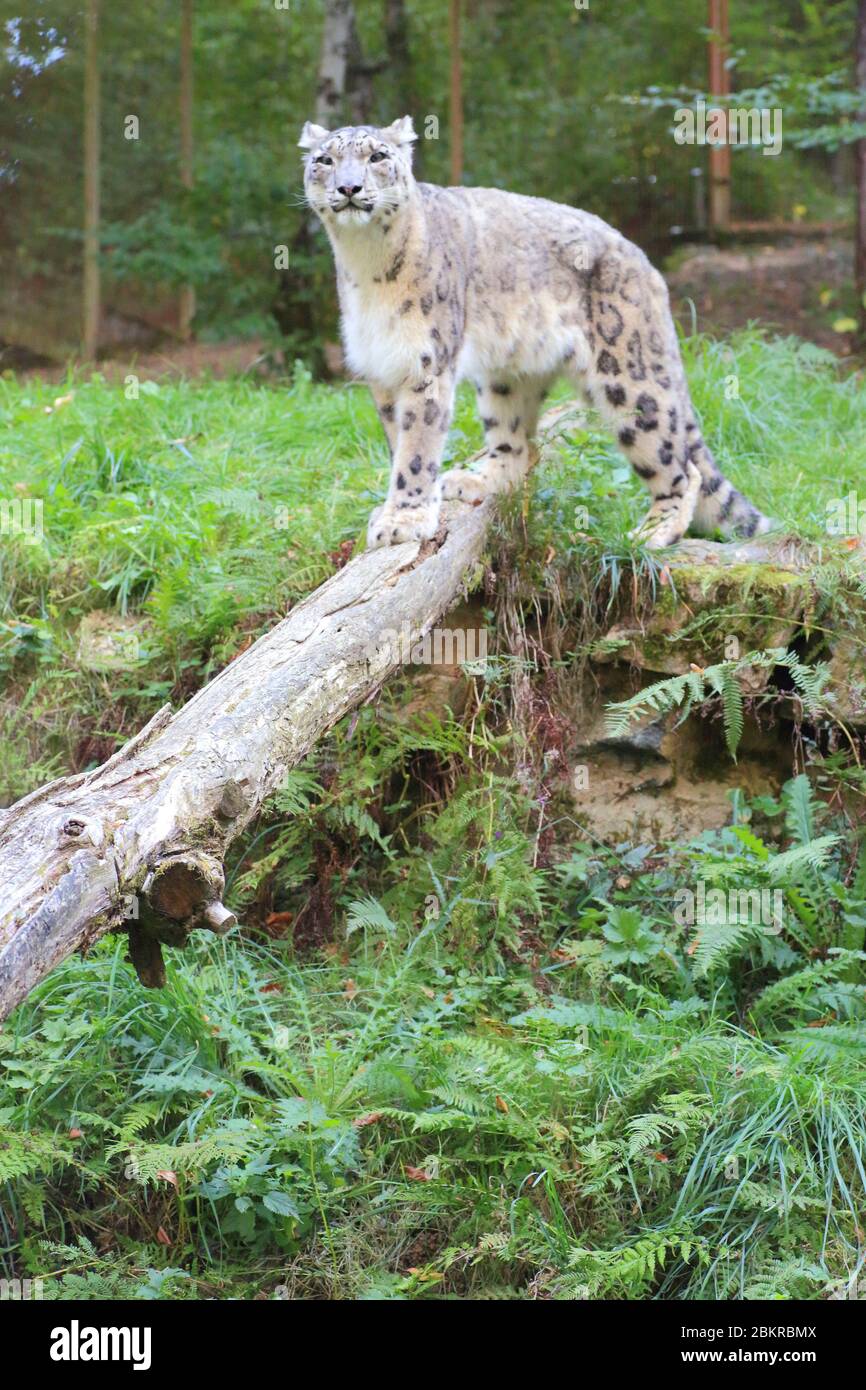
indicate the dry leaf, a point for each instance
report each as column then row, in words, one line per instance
column 417, row 1174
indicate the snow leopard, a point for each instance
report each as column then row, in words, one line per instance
column 438, row 284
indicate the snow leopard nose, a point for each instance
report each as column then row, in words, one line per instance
column 349, row 190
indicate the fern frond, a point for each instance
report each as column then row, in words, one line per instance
column 366, row 914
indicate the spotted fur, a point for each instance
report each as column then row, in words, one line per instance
column 440, row 284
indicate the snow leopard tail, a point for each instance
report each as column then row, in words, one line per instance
column 720, row 507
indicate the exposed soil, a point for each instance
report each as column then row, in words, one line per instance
column 669, row 781
column 801, row 288
column 176, row 359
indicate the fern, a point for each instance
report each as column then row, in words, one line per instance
column 799, row 802
column 785, row 1279
column 28, row 1153
column 231, row 1142
column 107, row 1276
column 720, row 680
column 299, row 789
column 791, row 864
column 632, row 1268
column 723, row 680
column 367, row 914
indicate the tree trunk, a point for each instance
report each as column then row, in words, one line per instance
column 399, row 54
column 344, row 80
column 186, row 307
column 720, row 86
column 90, row 297
column 338, row 36
column 456, row 93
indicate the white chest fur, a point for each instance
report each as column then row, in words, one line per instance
column 382, row 345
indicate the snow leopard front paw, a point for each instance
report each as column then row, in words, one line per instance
column 389, row 525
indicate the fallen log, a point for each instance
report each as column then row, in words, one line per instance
column 138, row 844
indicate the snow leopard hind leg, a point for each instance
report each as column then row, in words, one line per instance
column 637, row 382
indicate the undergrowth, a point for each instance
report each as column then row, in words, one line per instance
column 458, row 1048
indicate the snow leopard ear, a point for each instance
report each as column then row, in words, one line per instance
column 312, row 135
column 400, row 132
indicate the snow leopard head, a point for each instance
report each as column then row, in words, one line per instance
column 357, row 174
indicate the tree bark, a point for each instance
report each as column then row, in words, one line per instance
column 456, row 93
column 720, row 86
column 91, row 292
column 338, row 39
column 402, row 72
column 344, row 81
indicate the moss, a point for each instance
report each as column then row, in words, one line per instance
column 745, row 578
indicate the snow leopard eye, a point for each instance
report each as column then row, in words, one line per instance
column 377, row 155
column 323, row 159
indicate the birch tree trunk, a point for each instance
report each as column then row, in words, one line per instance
column 455, row 93
column 342, row 85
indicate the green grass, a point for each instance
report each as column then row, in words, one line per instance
column 208, row 508
column 457, row 1048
